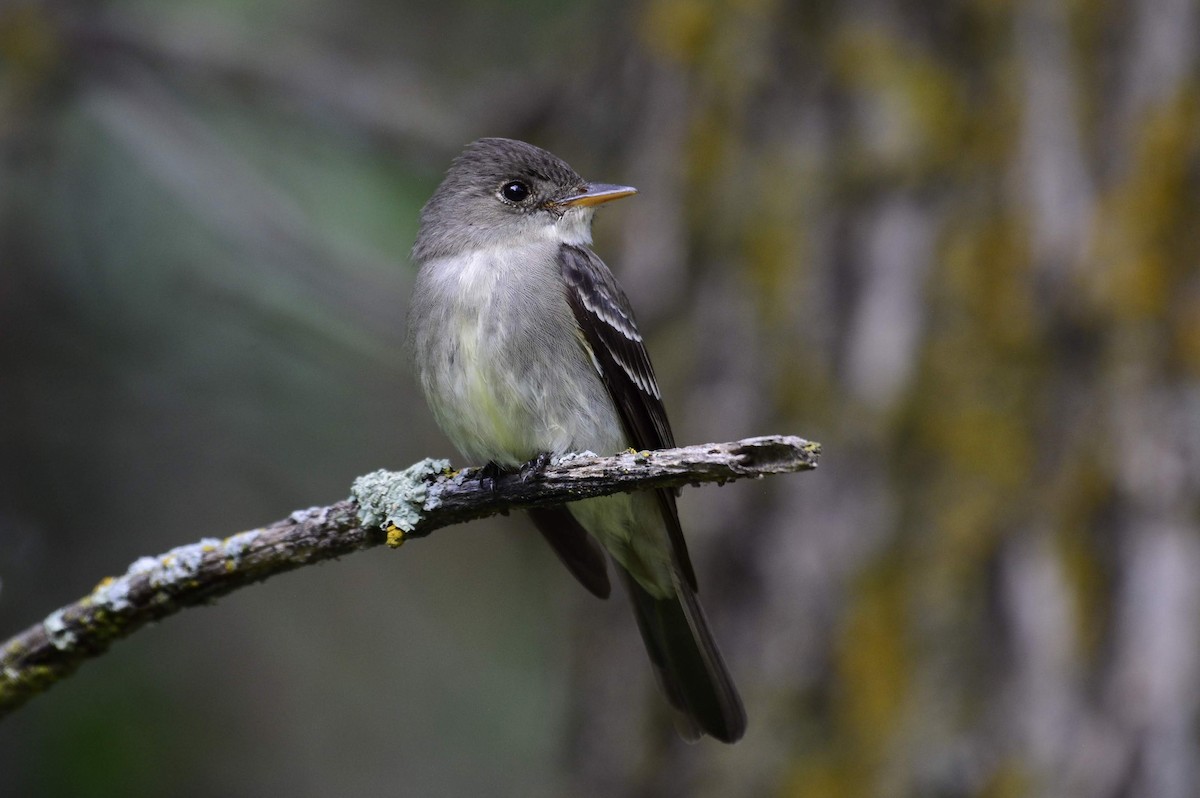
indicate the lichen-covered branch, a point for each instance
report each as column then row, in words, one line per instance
column 386, row 507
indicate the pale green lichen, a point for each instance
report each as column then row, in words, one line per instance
column 61, row 637
column 181, row 563
column 433, row 497
column 142, row 565
column 234, row 546
column 178, row 566
column 112, row 594
column 17, row 684
column 569, row 456
column 396, row 498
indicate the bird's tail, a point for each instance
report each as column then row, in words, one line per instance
column 687, row 663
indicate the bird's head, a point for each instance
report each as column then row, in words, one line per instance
column 501, row 190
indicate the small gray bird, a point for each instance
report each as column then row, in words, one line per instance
column 526, row 347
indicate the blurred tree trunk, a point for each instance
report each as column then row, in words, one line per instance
column 956, row 242
column 960, row 240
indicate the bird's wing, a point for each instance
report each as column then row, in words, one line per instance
column 606, row 321
column 578, row 550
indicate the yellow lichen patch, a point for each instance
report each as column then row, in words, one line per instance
column 1080, row 497
column 985, row 281
column 823, row 776
column 967, row 523
column 1146, row 240
column 1009, row 780
column 395, row 536
column 103, row 583
column 678, row 29
column 29, row 44
column 872, row 664
column 980, row 435
column 916, row 118
column 1082, row 567
column 774, row 240
column 1185, row 342
column 981, row 375
column 705, row 161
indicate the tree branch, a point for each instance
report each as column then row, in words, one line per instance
column 385, row 508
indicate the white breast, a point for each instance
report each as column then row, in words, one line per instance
column 501, row 358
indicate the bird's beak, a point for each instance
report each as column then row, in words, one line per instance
column 596, row 193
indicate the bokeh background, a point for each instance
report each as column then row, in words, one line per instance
column 956, row 242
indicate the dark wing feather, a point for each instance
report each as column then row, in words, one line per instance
column 681, row 648
column 578, row 550
column 606, row 320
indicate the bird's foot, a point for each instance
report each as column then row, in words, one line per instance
column 489, row 476
column 534, row 468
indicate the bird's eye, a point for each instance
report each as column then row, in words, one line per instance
column 514, row 191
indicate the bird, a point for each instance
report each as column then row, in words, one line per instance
column 526, row 348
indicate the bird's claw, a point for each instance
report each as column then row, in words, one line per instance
column 534, row 468
column 489, row 477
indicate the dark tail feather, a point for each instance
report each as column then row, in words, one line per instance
column 686, row 660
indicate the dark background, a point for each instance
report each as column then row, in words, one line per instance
column 956, row 242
